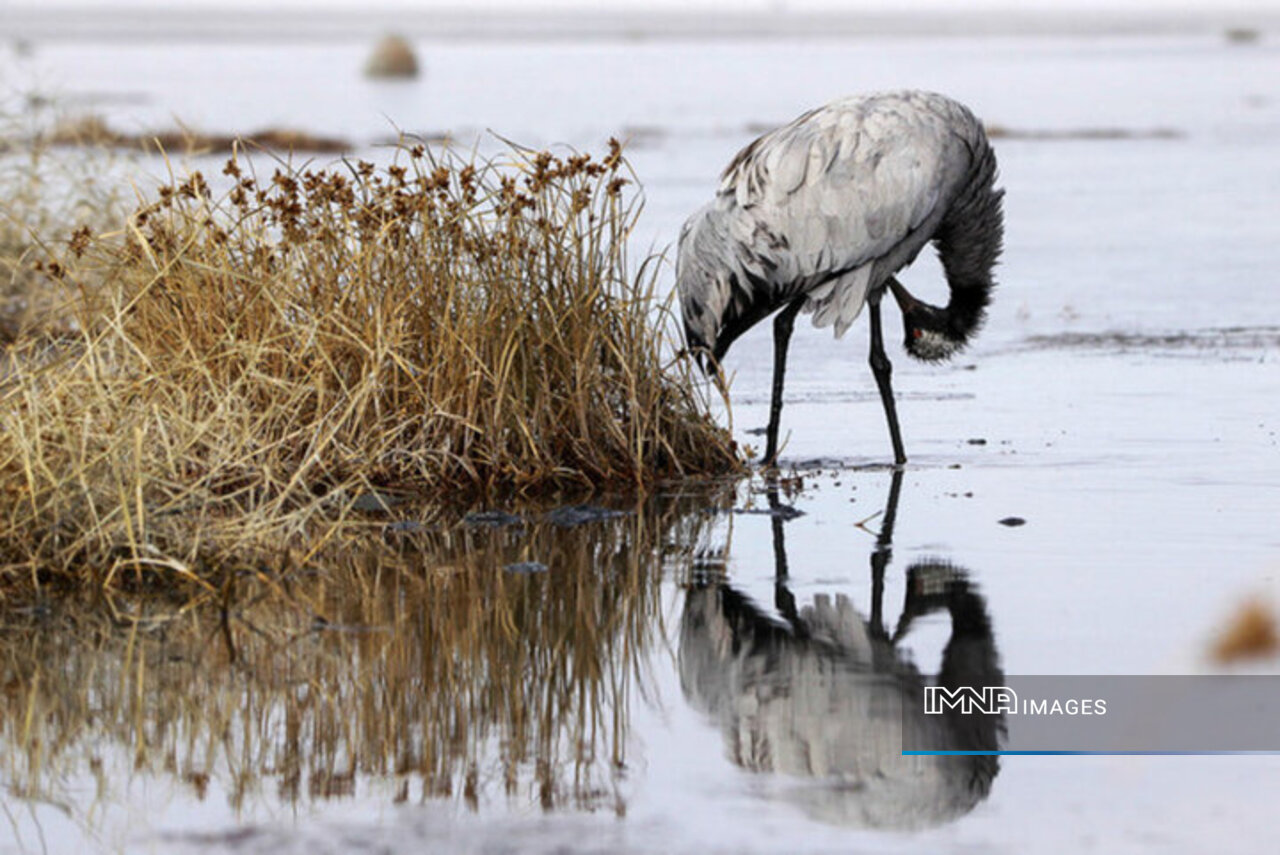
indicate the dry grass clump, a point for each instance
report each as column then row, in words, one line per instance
column 247, row 365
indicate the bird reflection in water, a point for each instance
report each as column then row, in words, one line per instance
column 829, row 696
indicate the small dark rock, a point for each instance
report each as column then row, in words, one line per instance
column 526, row 567
column 977, row 441
column 575, row 515
column 493, row 519
column 1013, row 521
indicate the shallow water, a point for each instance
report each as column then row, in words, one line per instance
column 1122, row 400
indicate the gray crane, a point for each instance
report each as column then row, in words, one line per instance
column 821, row 213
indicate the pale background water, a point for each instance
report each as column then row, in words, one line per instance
column 1127, row 387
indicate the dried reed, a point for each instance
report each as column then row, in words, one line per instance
column 244, row 367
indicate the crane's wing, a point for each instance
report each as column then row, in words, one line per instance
column 826, row 207
column 857, row 182
column 848, row 181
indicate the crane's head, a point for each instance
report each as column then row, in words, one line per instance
column 933, row 334
column 723, row 289
column 929, row 336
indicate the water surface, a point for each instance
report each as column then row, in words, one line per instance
column 416, row 694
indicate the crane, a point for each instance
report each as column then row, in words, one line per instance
column 820, row 214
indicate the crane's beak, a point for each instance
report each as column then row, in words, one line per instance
column 906, row 302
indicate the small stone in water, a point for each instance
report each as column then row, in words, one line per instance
column 1013, row 521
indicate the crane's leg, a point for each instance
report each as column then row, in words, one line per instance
column 883, row 554
column 783, row 324
column 783, row 600
column 882, row 369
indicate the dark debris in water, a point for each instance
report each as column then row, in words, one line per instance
column 492, row 519
column 566, row 516
column 93, row 130
column 1013, row 522
column 1099, row 133
column 1213, row 338
column 782, row 512
column 575, row 515
column 820, row 465
column 846, row 396
column 403, row 531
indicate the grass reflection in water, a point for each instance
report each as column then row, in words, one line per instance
column 404, row 668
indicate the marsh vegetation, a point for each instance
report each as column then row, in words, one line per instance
column 221, row 379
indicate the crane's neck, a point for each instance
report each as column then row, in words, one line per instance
column 969, row 241
column 969, row 244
